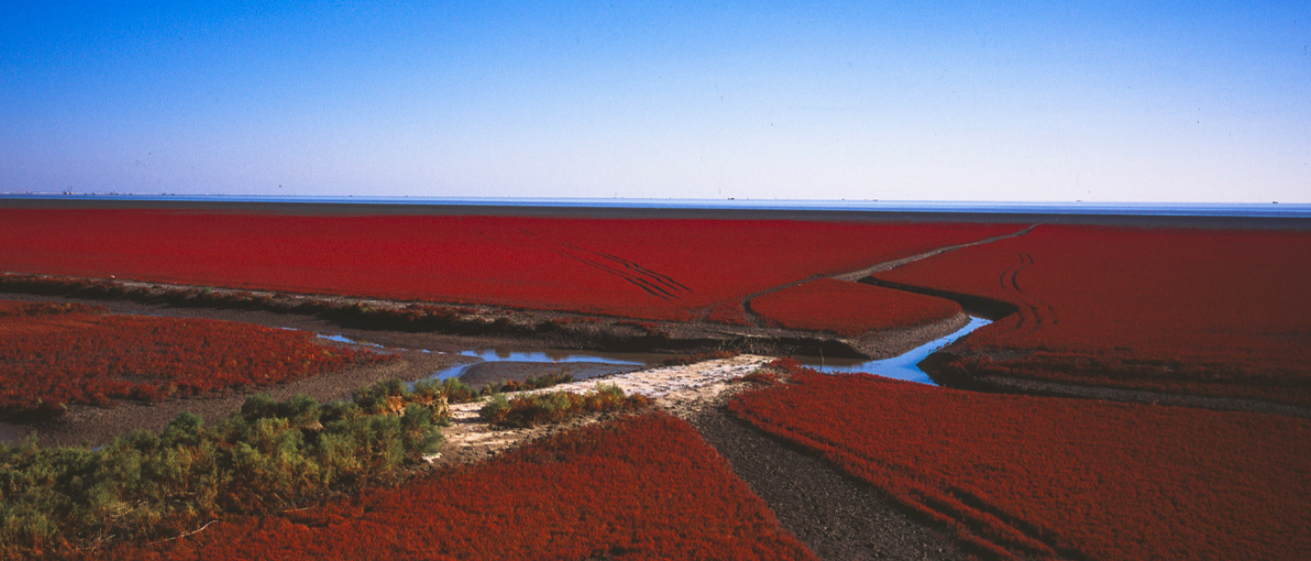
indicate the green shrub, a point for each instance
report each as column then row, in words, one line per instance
column 496, row 409
column 272, row 455
column 530, row 383
column 553, row 407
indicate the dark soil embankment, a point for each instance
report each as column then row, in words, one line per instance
column 487, row 373
column 934, row 367
column 456, row 327
column 836, row 516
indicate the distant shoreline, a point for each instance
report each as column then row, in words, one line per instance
column 1224, row 216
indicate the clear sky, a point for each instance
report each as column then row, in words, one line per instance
column 1101, row 101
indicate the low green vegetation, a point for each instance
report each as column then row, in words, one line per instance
column 270, row 457
column 273, row 455
column 553, row 407
column 529, row 383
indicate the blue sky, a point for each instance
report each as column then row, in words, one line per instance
column 1105, row 101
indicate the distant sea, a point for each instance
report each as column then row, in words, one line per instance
column 1255, row 210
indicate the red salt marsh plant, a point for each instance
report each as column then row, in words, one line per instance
column 1058, row 478
column 54, row 355
column 1207, row 312
column 647, row 269
column 848, row 308
column 639, row 488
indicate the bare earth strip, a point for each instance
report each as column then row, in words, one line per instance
column 854, row 276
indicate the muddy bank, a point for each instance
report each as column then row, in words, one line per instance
column 450, row 328
column 486, row 373
column 934, row 367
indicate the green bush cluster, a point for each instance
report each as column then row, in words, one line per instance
column 273, row 455
column 395, row 395
column 529, row 383
column 553, row 407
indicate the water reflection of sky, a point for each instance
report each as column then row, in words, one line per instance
column 499, row 355
column 903, row 367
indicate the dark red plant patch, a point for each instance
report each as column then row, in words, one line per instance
column 1056, row 477
column 848, row 308
column 1206, row 312
column 52, row 355
column 646, row 269
column 640, row 488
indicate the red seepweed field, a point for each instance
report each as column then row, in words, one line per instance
column 849, row 308
column 57, row 354
column 661, row 269
column 1209, row 312
column 1056, row 477
column 612, row 491
column 1204, row 312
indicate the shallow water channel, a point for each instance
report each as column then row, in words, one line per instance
column 496, row 365
column 902, row 367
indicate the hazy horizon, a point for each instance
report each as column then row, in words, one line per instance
column 960, row 102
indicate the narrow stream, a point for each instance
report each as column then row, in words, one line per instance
column 497, row 365
column 903, row 367
column 492, row 366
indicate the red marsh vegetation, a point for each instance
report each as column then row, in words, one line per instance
column 849, row 309
column 57, row 354
column 647, row 269
column 1208, row 312
column 1052, row 477
column 639, row 488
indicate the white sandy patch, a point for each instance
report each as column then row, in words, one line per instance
column 677, row 389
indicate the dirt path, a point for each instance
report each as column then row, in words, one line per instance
column 836, row 516
column 890, row 265
column 854, row 276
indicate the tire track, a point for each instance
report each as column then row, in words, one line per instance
column 655, row 284
column 649, row 281
column 1033, row 313
column 645, row 285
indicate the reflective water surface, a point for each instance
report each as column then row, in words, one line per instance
column 904, row 367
